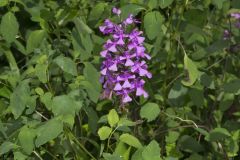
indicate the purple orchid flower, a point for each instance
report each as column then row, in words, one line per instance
column 124, row 65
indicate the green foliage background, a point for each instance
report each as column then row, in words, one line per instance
column 49, row 82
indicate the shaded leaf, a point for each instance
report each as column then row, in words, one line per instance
column 66, row 64
column 152, row 24
column 150, row 111
column 130, row 140
column 113, row 117
column 152, row 151
column 104, row 132
column 192, row 71
column 9, row 27
column 48, row 131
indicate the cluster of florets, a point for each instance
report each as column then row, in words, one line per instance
column 227, row 33
column 124, row 65
column 236, row 16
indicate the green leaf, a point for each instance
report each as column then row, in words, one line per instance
column 46, row 99
column 26, row 139
column 125, row 122
column 19, row 99
column 232, row 87
column 9, row 27
column 192, row 71
column 48, row 131
column 104, row 132
column 113, row 117
column 3, row 3
column 165, row 3
column 34, row 40
column 189, row 144
column 172, row 136
column 81, row 26
column 66, row 64
column 82, row 45
column 130, row 140
column 138, row 154
column 197, row 96
column 5, row 92
column 92, row 118
column 97, row 11
column 41, row 72
column 19, row 156
column 64, row 105
column 152, row 24
column 92, row 84
column 218, row 134
column 108, row 156
column 150, row 111
column 152, row 151
column 195, row 17
column 6, row 147
column 131, row 9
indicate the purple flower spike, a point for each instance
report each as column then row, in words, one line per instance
column 124, row 66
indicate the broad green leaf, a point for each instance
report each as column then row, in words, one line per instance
column 218, row 134
column 177, row 94
column 126, row 122
column 131, row 9
column 108, row 156
column 138, row 154
column 195, row 17
column 6, row 147
column 41, row 72
column 172, row 136
column 19, row 99
column 66, row 64
column 232, row 87
column 130, row 140
column 226, row 101
column 152, row 24
column 9, row 27
column 165, row 3
column 123, row 150
column 150, row 111
column 64, row 105
column 26, row 138
column 152, row 151
column 92, row 118
column 189, row 144
column 104, row 132
column 5, row 92
column 48, row 131
column 19, row 156
column 46, row 99
column 197, row 97
column 97, row 11
column 192, row 71
column 113, row 118
column 34, row 40
column 152, row 4
column 82, row 45
column 92, row 84
column 3, row 3
column 81, row 26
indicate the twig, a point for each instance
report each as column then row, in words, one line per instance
column 37, row 155
column 40, row 114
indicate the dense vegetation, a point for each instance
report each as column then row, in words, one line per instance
column 50, row 93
